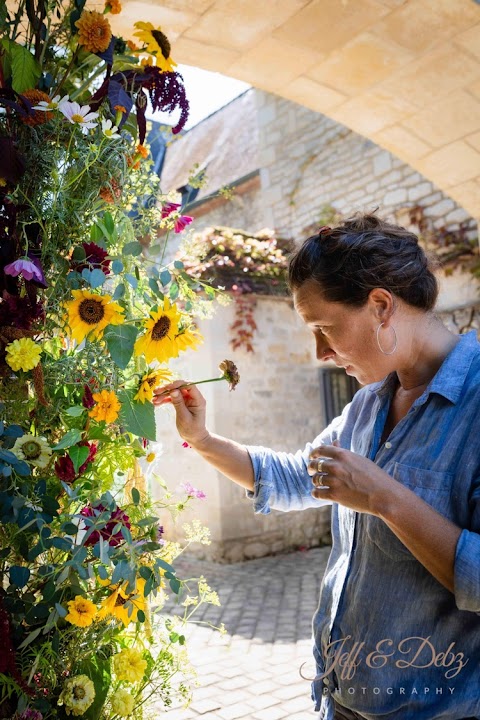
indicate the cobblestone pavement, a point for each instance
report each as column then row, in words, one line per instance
column 267, row 607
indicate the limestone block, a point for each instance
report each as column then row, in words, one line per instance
column 401, row 141
column 360, row 63
column 451, row 165
column 468, row 195
column 306, row 91
column 442, row 208
column 395, row 197
column 459, row 113
column 474, row 140
column 382, row 163
column 392, row 178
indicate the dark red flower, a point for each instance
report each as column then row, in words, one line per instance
column 116, row 517
column 19, row 311
column 95, row 258
column 12, row 164
column 64, row 468
column 87, row 400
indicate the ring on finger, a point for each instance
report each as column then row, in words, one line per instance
column 320, row 481
column 320, row 465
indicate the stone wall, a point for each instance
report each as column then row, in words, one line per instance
column 308, row 161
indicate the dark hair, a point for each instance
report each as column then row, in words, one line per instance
column 361, row 254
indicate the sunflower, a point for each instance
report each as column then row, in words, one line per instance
column 81, row 611
column 157, row 44
column 32, row 449
column 90, row 313
column 150, row 381
column 188, row 338
column 106, row 408
column 94, row 32
column 77, row 695
column 122, row 606
column 162, row 327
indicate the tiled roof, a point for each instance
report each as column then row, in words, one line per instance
column 225, row 144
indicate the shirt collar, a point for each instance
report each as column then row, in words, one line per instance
column 449, row 378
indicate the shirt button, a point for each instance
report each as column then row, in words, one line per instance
column 388, row 445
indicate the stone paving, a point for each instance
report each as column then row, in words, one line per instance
column 254, row 670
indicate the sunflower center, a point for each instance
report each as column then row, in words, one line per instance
column 152, row 382
column 162, row 42
column 79, row 692
column 161, row 328
column 91, row 311
column 32, row 450
column 120, row 600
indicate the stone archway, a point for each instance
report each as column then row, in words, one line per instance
column 403, row 73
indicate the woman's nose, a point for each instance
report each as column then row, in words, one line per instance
column 324, row 352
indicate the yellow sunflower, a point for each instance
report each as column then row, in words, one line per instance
column 107, row 407
column 122, row 606
column 157, row 44
column 81, row 611
column 150, row 381
column 90, row 313
column 162, row 327
column 94, row 31
column 188, row 338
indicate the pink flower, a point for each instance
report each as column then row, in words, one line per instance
column 26, row 267
column 168, row 208
column 182, row 222
column 186, row 445
column 193, row 492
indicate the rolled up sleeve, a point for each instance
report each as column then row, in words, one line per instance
column 467, row 558
column 281, row 479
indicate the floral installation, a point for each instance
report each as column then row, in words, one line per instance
column 88, row 326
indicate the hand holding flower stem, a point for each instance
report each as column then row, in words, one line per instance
column 229, row 373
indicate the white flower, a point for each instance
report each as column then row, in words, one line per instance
column 77, row 695
column 53, row 104
column 79, row 115
column 32, row 449
column 109, row 130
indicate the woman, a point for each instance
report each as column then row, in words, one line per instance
column 397, row 630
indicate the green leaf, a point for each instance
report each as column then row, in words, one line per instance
column 174, row 290
column 119, row 292
column 132, row 280
column 79, row 253
column 30, row 638
column 120, row 340
column 117, row 267
column 165, row 277
column 78, row 454
column 178, row 264
column 19, row 575
column 136, row 417
column 72, row 437
column 132, row 248
column 96, row 234
column 135, row 496
column 25, row 69
column 109, row 223
column 75, row 411
column 95, row 278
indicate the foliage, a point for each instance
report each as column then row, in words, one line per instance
column 82, row 553
column 246, row 264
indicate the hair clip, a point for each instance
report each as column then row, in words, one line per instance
column 324, row 231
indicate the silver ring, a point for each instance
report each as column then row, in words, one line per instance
column 320, row 465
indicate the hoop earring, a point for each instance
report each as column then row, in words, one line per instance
column 378, row 341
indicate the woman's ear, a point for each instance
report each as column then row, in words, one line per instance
column 382, row 304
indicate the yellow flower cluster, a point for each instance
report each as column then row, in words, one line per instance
column 23, row 354
column 122, row 703
column 122, row 606
column 81, row 611
column 129, row 665
column 196, row 532
column 107, row 407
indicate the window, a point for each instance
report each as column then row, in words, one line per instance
column 337, row 390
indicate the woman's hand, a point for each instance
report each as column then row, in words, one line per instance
column 190, row 408
column 349, row 479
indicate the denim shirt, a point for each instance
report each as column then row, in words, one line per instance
column 389, row 639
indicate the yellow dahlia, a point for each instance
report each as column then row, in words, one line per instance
column 122, row 606
column 162, row 327
column 90, row 313
column 122, row 703
column 77, row 695
column 107, row 407
column 129, row 665
column 157, row 44
column 23, row 354
column 149, row 382
column 94, row 32
column 81, row 611
column 32, row 449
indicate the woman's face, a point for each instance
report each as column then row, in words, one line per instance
column 343, row 333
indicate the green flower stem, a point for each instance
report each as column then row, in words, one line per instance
column 87, row 82
column 193, row 382
column 70, row 65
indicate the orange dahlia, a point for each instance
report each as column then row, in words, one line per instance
column 94, row 32
column 111, row 192
column 39, row 117
column 113, row 6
